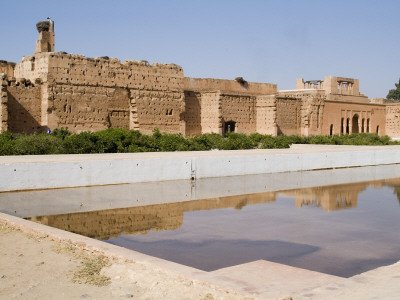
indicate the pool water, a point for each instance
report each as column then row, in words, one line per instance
column 341, row 230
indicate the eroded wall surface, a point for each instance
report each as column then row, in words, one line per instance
column 7, row 68
column 230, row 86
column 193, row 113
column 211, row 113
column 24, row 110
column 92, row 94
column 266, row 115
column 240, row 109
column 393, row 120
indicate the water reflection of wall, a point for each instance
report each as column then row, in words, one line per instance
column 336, row 197
column 105, row 224
column 329, row 198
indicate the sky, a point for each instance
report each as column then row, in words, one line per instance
column 274, row 41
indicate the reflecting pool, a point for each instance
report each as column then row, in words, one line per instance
column 341, row 229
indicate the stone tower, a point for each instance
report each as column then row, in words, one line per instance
column 46, row 36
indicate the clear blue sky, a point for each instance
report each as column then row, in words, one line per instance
column 272, row 41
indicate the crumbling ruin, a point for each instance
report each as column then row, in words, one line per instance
column 49, row 90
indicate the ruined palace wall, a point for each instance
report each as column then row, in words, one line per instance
column 81, row 108
column 193, row 113
column 7, row 68
column 32, row 67
column 211, row 113
column 266, row 115
column 93, row 94
column 300, row 111
column 24, row 110
column 335, row 111
column 228, row 86
column 288, row 115
column 240, row 109
column 393, row 120
column 137, row 95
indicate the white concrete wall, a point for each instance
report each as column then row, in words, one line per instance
column 57, row 171
column 84, row 199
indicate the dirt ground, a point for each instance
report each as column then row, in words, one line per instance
column 34, row 267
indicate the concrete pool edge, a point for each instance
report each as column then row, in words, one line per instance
column 18, row 173
column 273, row 283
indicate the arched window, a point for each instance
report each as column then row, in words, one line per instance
column 377, row 129
column 331, row 130
column 342, row 126
column 362, row 125
column 354, row 124
column 368, row 125
column 347, row 125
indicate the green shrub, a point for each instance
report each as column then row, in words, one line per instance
column 6, row 143
column 237, row 141
column 61, row 133
column 36, row 144
column 208, row 141
column 114, row 140
column 84, row 142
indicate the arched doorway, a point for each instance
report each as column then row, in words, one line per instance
column 354, row 124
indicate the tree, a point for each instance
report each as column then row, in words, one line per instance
column 395, row 93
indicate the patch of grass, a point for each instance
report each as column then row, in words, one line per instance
column 89, row 271
column 90, row 266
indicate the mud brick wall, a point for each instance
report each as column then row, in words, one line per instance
column 300, row 112
column 159, row 109
column 228, row 86
column 81, row 108
column 97, row 93
column 24, row 107
column 393, row 120
column 312, row 114
column 211, row 113
column 7, row 68
column 240, row 109
column 32, row 67
column 288, row 115
column 193, row 113
column 266, row 115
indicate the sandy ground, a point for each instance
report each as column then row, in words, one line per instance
column 34, row 267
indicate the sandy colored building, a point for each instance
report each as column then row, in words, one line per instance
column 49, row 90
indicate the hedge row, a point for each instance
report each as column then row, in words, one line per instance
column 120, row 140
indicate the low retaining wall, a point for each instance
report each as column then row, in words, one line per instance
column 58, row 171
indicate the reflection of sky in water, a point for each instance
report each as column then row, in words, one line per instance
column 341, row 242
